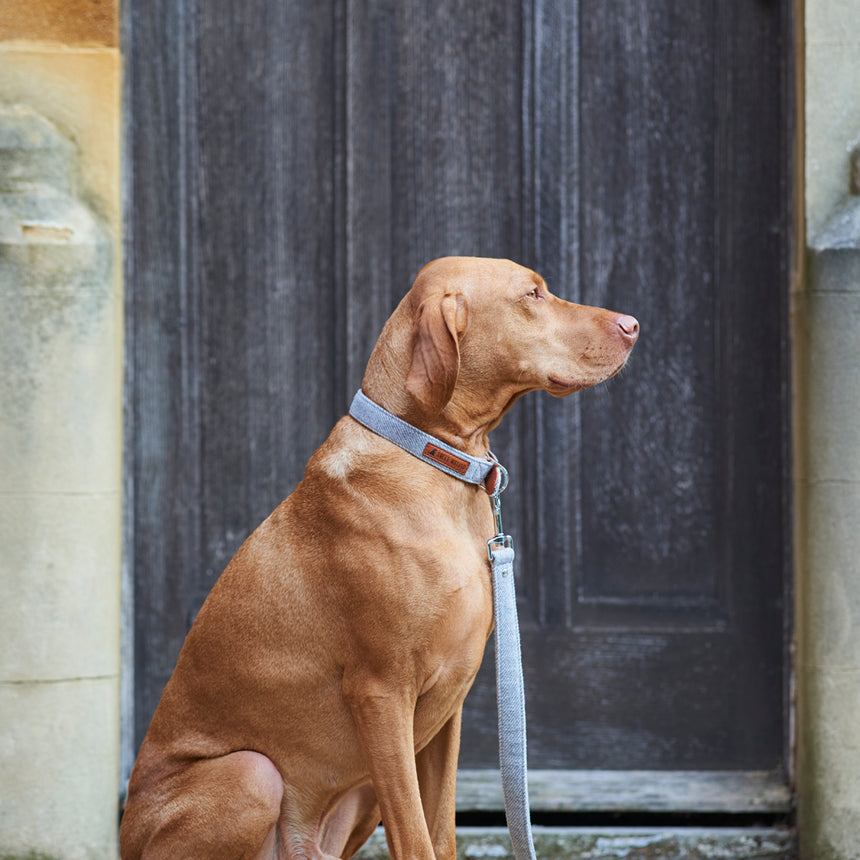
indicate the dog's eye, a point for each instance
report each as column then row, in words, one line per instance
column 533, row 294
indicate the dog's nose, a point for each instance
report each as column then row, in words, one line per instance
column 629, row 327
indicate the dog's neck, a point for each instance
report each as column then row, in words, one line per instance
column 476, row 406
column 455, row 425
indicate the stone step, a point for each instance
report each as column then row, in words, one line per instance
column 619, row 843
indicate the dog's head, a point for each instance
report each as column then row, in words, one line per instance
column 491, row 330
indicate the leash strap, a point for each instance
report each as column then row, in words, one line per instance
column 510, row 690
column 511, row 700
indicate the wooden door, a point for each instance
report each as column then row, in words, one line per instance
column 292, row 166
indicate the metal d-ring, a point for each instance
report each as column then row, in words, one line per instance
column 502, row 482
column 502, row 478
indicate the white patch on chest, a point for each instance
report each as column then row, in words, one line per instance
column 340, row 462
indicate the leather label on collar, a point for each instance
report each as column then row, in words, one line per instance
column 438, row 455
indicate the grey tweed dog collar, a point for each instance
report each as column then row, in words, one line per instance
column 473, row 470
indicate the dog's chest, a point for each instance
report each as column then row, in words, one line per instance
column 455, row 640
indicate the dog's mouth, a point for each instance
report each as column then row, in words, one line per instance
column 559, row 386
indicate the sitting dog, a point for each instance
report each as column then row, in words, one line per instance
column 320, row 689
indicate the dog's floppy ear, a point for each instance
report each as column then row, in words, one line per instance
column 436, row 352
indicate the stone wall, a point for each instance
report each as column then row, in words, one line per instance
column 60, row 427
column 827, row 349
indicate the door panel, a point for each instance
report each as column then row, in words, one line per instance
column 233, row 296
column 294, row 165
column 652, row 555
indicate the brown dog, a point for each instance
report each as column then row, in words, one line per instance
column 321, row 686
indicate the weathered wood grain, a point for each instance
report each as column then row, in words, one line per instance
column 651, row 555
column 625, row 790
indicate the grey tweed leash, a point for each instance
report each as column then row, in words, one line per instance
column 491, row 476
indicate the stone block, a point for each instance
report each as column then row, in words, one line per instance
column 830, row 605
column 832, row 127
column 832, row 384
column 58, row 320
column 60, row 609
column 79, row 90
column 834, row 270
column 832, row 22
column 58, row 770
column 54, row 342
column 67, row 21
column 829, row 784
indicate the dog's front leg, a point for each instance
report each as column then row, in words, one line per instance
column 383, row 714
column 437, row 780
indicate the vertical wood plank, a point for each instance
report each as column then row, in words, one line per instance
column 550, row 532
column 647, row 186
column 234, row 292
column 656, row 478
column 163, row 536
column 434, row 155
column 268, row 260
column 370, row 254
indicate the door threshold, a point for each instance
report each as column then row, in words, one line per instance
column 619, row 843
column 694, row 792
